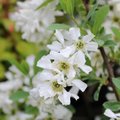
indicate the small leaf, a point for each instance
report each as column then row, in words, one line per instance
column 96, row 94
column 71, row 108
column 68, row 6
column 116, row 31
column 16, row 96
column 110, row 43
column 99, row 18
column 38, row 56
column 23, row 67
column 26, row 49
column 114, row 106
column 92, row 11
column 44, row 4
column 58, row 26
column 31, row 110
column 116, row 82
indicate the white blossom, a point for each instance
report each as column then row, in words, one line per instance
column 112, row 115
column 71, row 42
column 33, row 23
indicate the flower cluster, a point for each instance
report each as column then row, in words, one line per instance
column 67, row 57
column 22, row 82
column 33, row 21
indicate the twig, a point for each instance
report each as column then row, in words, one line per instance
column 110, row 71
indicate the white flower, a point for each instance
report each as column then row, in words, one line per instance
column 70, row 42
column 33, row 23
column 54, row 112
column 53, row 85
column 50, row 87
column 112, row 115
column 5, row 103
column 57, row 62
column 20, row 116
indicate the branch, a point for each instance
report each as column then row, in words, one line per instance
column 110, row 71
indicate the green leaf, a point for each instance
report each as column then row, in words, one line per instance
column 16, row 96
column 116, row 31
column 38, row 57
column 23, row 66
column 116, row 82
column 26, row 49
column 57, row 26
column 2, row 71
column 99, row 18
column 114, row 106
column 71, row 108
column 68, row 6
column 31, row 110
column 110, row 43
column 96, row 94
column 44, row 4
column 92, row 11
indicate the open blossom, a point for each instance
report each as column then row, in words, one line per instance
column 57, row 62
column 33, row 23
column 71, row 42
column 112, row 115
column 54, row 112
column 50, row 87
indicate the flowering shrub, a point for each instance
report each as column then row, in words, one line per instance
column 63, row 52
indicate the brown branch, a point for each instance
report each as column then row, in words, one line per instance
column 86, row 4
column 110, row 71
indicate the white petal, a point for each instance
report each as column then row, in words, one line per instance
column 80, row 58
column 55, row 46
column 59, row 36
column 85, row 68
column 75, row 33
column 109, row 113
column 80, row 84
column 56, row 56
column 68, row 51
column 74, row 90
column 88, row 37
column 45, row 63
column 92, row 46
column 46, row 75
column 71, row 74
column 65, row 98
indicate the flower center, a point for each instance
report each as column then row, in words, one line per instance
column 80, row 44
column 57, row 87
column 64, row 66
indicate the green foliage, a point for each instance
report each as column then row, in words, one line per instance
column 44, row 4
column 26, row 49
column 116, row 82
column 67, row 6
column 71, row 108
column 114, row 106
column 29, row 109
column 38, row 56
column 2, row 71
column 23, row 66
column 99, row 18
column 58, row 26
column 96, row 94
column 116, row 31
column 16, row 96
